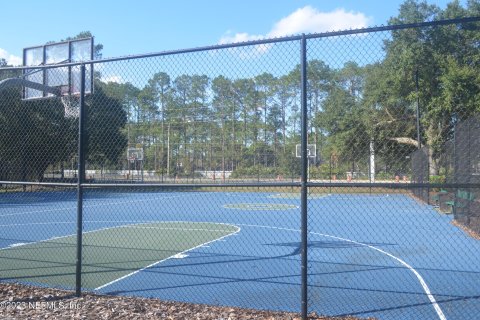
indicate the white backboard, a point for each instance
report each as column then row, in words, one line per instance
column 311, row 151
column 68, row 78
column 134, row 154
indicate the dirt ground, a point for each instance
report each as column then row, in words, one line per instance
column 27, row 302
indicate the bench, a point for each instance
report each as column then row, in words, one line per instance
column 437, row 197
column 461, row 195
column 441, row 200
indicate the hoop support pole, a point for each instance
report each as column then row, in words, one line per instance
column 80, row 181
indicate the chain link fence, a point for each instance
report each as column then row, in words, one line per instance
column 466, row 171
column 178, row 176
column 421, row 173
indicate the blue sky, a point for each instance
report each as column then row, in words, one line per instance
column 135, row 27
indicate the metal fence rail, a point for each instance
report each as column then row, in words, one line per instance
column 178, row 176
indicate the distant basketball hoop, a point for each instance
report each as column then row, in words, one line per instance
column 132, row 159
column 311, row 151
column 134, row 154
column 311, row 154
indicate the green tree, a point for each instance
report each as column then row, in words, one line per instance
column 106, row 121
column 161, row 89
column 37, row 135
column 224, row 111
column 444, row 60
column 97, row 49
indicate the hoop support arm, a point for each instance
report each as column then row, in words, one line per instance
column 11, row 82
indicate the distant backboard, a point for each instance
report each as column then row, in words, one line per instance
column 65, row 78
column 311, row 151
column 135, row 154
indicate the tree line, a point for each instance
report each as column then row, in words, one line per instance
column 250, row 125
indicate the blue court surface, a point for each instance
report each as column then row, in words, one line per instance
column 371, row 255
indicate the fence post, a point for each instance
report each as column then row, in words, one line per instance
column 80, row 181
column 304, row 187
column 428, row 176
column 417, row 109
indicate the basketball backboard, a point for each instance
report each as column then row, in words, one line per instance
column 135, row 154
column 66, row 78
column 311, row 151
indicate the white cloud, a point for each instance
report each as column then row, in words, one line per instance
column 113, row 78
column 305, row 20
column 10, row 58
column 311, row 20
column 228, row 37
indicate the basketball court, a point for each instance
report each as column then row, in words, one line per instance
column 243, row 249
column 373, row 251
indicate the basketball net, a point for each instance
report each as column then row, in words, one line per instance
column 71, row 106
column 70, row 103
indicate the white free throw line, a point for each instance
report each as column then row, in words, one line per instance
column 424, row 285
column 168, row 258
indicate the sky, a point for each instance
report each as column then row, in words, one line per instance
column 144, row 26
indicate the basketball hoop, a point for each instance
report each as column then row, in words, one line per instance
column 134, row 154
column 71, row 106
column 71, row 103
column 311, row 151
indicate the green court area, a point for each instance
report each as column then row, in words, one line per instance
column 108, row 254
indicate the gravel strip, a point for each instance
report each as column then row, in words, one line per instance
column 27, row 302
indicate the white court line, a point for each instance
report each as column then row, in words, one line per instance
column 36, row 211
column 134, row 225
column 74, row 222
column 86, row 206
column 74, row 234
column 422, row 282
column 60, row 237
column 36, row 223
column 182, row 229
column 424, row 285
column 297, row 196
column 348, row 195
column 260, row 206
column 237, row 194
column 168, row 258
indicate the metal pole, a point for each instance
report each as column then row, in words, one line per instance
column 80, row 181
column 304, row 188
column 23, row 147
column 428, row 176
column 419, row 142
column 418, row 109
column 308, row 168
column 455, row 169
column 330, row 179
